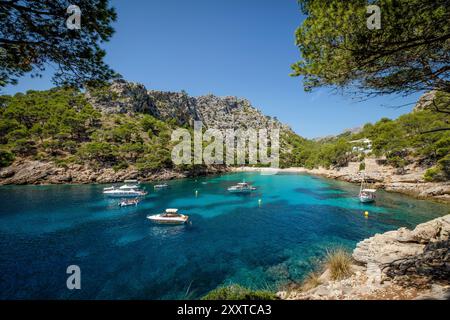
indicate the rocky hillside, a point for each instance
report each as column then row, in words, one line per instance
column 400, row 264
column 213, row 111
column 108, row 134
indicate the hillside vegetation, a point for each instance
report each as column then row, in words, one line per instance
column 61, row 125
column 402, row 141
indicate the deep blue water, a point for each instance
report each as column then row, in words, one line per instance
column 43, row 229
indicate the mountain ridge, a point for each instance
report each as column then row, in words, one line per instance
column 215, row 112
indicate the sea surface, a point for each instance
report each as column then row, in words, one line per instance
column 233, row 238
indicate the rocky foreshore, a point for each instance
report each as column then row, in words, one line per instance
column 410, row 181
column 39, row 172
column 400, row 264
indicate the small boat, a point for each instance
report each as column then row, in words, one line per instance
column 161, row 186
column 171, row 216
column 130, row 202
column 124, row 191
column 365, row 194
column 241, row 187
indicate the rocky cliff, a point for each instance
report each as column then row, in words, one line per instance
column 27, row 171
column 400, row 264
column 213, row 111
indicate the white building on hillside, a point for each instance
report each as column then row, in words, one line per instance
column 362, row 145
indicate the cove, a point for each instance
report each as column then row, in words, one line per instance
column 232, row 239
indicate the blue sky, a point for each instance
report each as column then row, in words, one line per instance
column 227, row 47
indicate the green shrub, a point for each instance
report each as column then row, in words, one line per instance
column 98, row 151
column 362, row 166
column 444, row 165
column 6, row 158
column 237, row 292
column 432, row 174
column 24, row 147
column 441, row 172
column 120, row 166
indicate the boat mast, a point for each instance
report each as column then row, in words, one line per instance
column 362, row 183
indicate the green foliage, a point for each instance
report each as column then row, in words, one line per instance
column 33, row 35
column 441, row 172
column 6, row 158
column 237, row 292
column 433, row 174
column 401, row 141
column 59, row 124
column 102, row 152
column 308, row 153
column 362, row 166
column 408, row 54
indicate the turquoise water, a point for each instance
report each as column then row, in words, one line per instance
column 232, row 239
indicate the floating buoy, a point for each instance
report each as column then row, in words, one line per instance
column 366, row 214
column 196, row 193
column 259, row 202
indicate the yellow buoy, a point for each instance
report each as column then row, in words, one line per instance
column 366, row 213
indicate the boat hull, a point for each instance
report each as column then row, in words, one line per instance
column 232, row 190
column 168, row 220
column 366, row 199
column 128, row 195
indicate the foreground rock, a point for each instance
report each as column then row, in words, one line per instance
column 38, row 172
column 401, row 264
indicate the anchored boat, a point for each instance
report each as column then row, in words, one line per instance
column 241, row 187
column 161, row 186
column 130, row 202
column 171, row 216
column 124, row 191
column 366, row 194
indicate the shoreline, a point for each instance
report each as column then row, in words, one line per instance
column 33, row 172
column 409, row 184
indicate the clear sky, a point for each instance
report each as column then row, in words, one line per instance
column 227, row 47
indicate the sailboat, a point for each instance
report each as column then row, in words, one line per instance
column 365, row 194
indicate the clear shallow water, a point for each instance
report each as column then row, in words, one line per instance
column 43, row 229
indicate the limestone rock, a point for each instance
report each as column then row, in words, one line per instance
column 400, row 264
column 215, row 112
column 121, row 97
column 425, row 101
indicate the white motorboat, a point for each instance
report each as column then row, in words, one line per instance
column 171, row 216
column 241, row 187
column 130, row 202
column 366, row 194
column 124, row 191
column 161, row 186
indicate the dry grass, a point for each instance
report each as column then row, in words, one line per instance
column 339, row 262
column 311, row 281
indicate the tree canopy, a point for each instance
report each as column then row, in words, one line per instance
column 410, row 53
column 34, row 35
